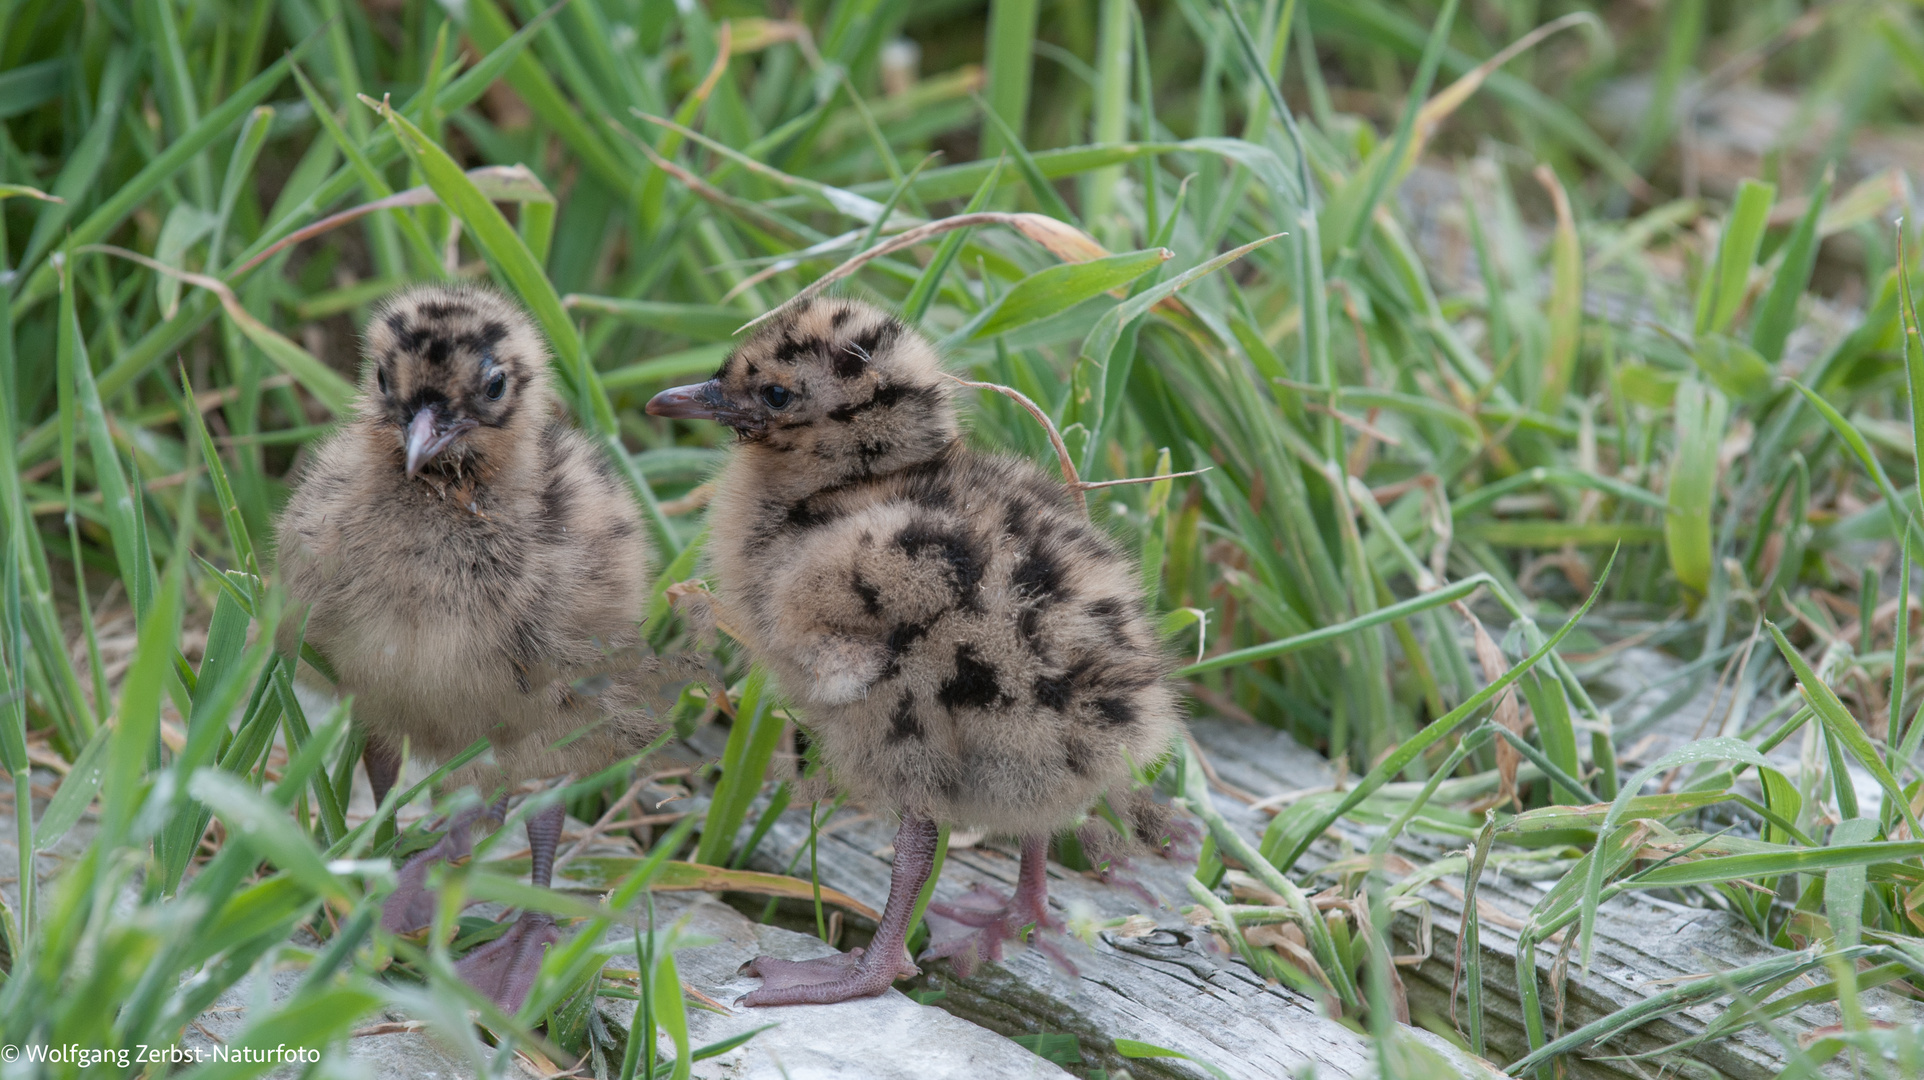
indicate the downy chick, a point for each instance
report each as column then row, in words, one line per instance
column 471, row 567
column 963, row 644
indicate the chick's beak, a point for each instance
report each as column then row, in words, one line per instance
column 428, row 434
column 700, row 401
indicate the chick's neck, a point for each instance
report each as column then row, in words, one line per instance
column 795, row 474
column 490, row 466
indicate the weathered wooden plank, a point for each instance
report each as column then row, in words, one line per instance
column 1166, row 987
column 882, row 1038
column 1643, row 945
column 1161, row 986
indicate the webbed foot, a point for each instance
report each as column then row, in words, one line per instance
column 410, row 907
column 824, row 980
column 858, row 972
column 973, row 929
column 504, row 969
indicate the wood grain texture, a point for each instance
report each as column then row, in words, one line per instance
column 1166, row 987
column 1643, row 945
column 1163, row 987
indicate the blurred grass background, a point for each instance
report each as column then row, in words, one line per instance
column 1496, row 324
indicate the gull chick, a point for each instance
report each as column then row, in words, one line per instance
column 964, row 646
column 472, row 568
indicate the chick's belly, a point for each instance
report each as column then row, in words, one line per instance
column 440, row 690
column 994, row 779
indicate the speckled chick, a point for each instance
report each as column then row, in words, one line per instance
column 472, row 567
column 963, row 644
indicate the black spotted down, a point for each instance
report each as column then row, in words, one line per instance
column 902, row 722
column 958, row 553
column 1052, row 691
column 870, row 594
column 900, row 638
column 957, row 635
column 974, row 684
column 1038, row 577
column 850, row 361
column 792, row 349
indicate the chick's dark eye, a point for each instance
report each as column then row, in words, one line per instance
column 776, row 396
column 380, row 378
column 497, row 386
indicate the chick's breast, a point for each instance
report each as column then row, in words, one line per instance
column 455, row 616
column 959, row 638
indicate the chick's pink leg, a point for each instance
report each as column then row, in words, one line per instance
column 858, row 972
column 974, row 929
column 505, row 968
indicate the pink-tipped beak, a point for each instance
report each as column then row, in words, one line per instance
column 425, row 437
column 700, row 401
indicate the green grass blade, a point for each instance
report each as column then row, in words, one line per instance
column 1012, row 29
column 137, row 732
column 1714, row 749
column 1900, row 655
column 1844, row 855
column 744, row 762
column 1092, row 363
column 1441, row 727
column 491, row 30
column 1566, row 299
column 916, row 304
column 1448, row 594
column 130, row 195
column 121, row 500
column 426, row 260
column 1902, row 519
column 701, row 322
column 240, row 169
column 1700, row 420
column 1025, row 163
column 1669, row 1000
column 78, row 175
column 1375, row 175
column 1913, row 336
column 1736, row 253
column 1115, row 50
column 1771, row 326
column 76, row 791
column 1840, row 724
column 309, row 1020
column 230, row 511
column 670, row 368
column 1055, row 289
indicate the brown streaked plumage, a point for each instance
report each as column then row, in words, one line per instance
column 964, row 645
column 471, row 567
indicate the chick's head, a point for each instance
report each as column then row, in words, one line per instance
column 457, row 373
column 844, row 388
